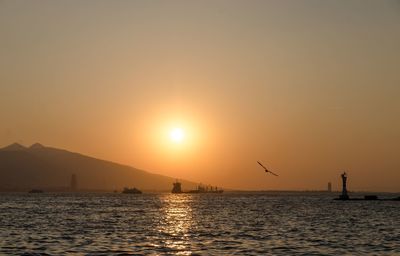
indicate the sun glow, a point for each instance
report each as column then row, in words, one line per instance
column 173, row 139
column 177, row 135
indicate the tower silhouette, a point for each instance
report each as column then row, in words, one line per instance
column 74, row 182
column 344, row 195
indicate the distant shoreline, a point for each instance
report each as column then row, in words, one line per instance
column 99, row 191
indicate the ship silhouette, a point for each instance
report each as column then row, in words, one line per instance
column 131, row 191
column 177, row 189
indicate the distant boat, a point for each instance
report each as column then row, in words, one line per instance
column 203, row 189
column 177, row 189
column 131, row 191
column 35, row 191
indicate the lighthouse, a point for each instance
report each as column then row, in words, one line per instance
column 344, row 195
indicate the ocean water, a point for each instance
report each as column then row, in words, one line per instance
column 223, row 224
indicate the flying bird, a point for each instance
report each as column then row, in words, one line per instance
column 265, row 168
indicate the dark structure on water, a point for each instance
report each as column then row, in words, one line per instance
column 177, row 189
column 131, row 191
column 345, row 197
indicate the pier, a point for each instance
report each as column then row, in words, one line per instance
column 345, row 196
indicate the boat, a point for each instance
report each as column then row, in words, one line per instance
column 131, row 191
column 206, row 189
column 177, row 189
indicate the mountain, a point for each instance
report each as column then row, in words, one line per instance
column 37, row 166
column 14, row 147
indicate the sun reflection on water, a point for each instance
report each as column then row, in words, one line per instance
column 176, row 224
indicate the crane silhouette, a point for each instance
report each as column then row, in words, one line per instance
column 265, row 168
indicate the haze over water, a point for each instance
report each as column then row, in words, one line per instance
column 224, row 224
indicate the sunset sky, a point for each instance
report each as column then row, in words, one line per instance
column 309, row 88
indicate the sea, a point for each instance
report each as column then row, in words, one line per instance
column 259, row 223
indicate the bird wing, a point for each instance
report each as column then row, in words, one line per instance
column 265, row 168
column 262, row 165
column 273, row 173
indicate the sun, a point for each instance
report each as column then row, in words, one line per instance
column 177, row 135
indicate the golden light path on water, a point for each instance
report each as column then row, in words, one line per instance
column 189, row 224
column 176, row 223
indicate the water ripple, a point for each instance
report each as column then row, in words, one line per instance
column 167, row 224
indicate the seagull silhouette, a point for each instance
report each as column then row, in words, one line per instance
column 265, row 168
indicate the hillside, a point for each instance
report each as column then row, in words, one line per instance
column 23, row 168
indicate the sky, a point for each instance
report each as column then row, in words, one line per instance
column 309, row 88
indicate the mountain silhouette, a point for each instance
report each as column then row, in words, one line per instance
column 14, row 147
column 47, row 168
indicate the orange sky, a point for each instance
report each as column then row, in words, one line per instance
column 310, row 88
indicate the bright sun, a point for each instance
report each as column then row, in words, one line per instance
column 177, row 135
